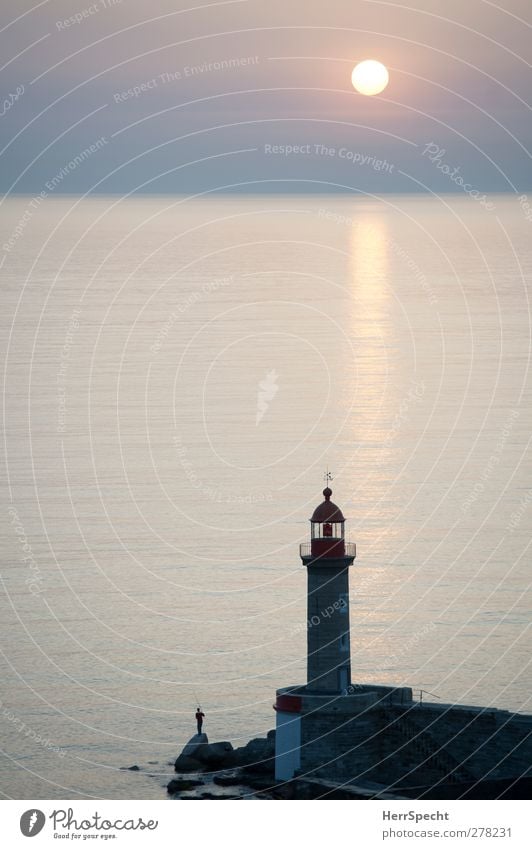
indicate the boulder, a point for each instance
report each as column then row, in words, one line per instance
column 266, row 766
column 199, row 755
column 214, row 755
column 223, row 798
column 186, row 764
column 258, row 755
column 188, row 760
column 228, row 780
column 260, row 746
column 178, row 785
column 194, row 743
column 259, row 782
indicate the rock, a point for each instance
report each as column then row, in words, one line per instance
column 199, row 755
column 188, row 760
column 257, row 756
column 214, row 755
column 265, row 767
column 134, row 768
column 262, row 746
column 179, row 785
column 213, row 796
column 259, row 782
column 186, row 764
column 227, row 780
column 194, row 742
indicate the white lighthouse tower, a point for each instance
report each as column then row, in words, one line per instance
column 327, row 558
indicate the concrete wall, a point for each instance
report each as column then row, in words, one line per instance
column 380, row 735
column 340, row 735
column 460, row 743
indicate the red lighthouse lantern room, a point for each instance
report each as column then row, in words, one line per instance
column 327, row 529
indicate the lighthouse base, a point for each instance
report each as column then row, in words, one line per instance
column 315, row 728
column 379, row 734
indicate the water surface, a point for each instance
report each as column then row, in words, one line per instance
column 179, row 374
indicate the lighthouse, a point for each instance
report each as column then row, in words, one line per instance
column 367, row 737
column 327, row 558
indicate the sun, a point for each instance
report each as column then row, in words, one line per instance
column 370, row 77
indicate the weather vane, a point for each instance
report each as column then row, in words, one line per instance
column 327, row 476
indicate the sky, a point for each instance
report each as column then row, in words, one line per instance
column 117, row 96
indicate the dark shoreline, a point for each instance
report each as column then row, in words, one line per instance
column 207, row 771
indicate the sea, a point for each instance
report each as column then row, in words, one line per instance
column 180, row 376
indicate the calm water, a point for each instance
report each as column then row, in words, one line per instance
column 179, row 375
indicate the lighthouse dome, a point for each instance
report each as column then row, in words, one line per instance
column 327, row 511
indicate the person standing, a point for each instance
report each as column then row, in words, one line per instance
column 199, row 719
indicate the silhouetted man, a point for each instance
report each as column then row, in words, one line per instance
column 199, row 719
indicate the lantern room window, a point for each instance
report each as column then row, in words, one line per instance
column 327, row 530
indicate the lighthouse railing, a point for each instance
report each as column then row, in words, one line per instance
column 305, row 549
